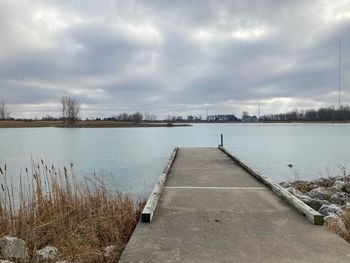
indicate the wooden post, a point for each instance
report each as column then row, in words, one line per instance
column 313, row 216
column 150, row 207
column 222, row 140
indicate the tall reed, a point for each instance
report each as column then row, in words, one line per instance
column 80, row 216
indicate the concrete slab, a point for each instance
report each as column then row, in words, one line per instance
column 223, row 224
column 206, row 167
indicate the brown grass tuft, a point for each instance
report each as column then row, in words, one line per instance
column 80, row 218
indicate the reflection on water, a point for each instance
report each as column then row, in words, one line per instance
column 131, row 159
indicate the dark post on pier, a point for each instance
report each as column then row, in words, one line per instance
column 208, row 206
column 222, row 140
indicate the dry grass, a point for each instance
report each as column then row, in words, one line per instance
column 303, row 186
column 52, row 208
column 27, row 124
column 307, row 186
column 341, row 226
column 346, row 221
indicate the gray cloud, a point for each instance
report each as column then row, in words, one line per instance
column 172, row 57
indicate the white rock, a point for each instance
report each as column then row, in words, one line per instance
column 347, row 207
column 318, row 193
column 330, row 209
column 334, row 190
column 339, row 184
column 13, row 248
column 296, row 192
column 46, row 254
column 5, row 261
column 306, row 199
column 336, row 199
column 111, row 251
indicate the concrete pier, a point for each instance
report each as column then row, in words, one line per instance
column 211, row 210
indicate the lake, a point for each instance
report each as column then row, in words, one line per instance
column 131, row 159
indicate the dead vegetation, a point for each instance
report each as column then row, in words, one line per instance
column 79, row 216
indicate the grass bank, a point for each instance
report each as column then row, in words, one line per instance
column 78, row 216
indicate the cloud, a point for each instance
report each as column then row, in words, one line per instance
column 172, row 57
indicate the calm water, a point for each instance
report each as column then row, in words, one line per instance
column 131, row 159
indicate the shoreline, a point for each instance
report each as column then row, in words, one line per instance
column 329, row 196
column 87, row 124
column 119, row 124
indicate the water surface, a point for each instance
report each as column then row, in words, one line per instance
column 131, row 159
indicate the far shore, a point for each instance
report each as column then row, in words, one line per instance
column 84, row 124
column 144, row 124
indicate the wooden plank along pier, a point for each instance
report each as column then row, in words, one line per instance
column 208, row 206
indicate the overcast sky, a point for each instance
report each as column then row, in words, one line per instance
column 172, row 57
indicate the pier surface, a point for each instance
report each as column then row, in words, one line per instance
column 211, row 210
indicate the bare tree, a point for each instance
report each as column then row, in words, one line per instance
column 63, row 107
column 4, row 112
column 150, row 117
column 70, row 108
column 137, row 117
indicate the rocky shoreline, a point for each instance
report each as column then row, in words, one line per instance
column 330, row 197
column 13, row 249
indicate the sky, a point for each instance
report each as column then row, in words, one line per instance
column 169, row 57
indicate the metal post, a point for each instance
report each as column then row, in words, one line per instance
column 222, row 140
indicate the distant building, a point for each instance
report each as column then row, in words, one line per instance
column 222, row 117
column 179, row 118
column 211, row 118
column 247, row 118
column 190, row 118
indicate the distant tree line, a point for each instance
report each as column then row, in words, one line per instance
column 133, row 117
column 322, row 114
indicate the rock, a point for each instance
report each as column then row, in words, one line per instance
column 289, row 189
column 334, row 190
column 112, row 251
column 338, row 198
column 306, row 199
column 347, row 207
column 335, row 199
column 13, row 248
column 285, row 184
column 63, row 261
column 316, row 204
column 346, row 188
column 5, row 261
column 318, row 193
column 339, row 184
column 46, row 254
column 330, row 209
column 295, row 192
